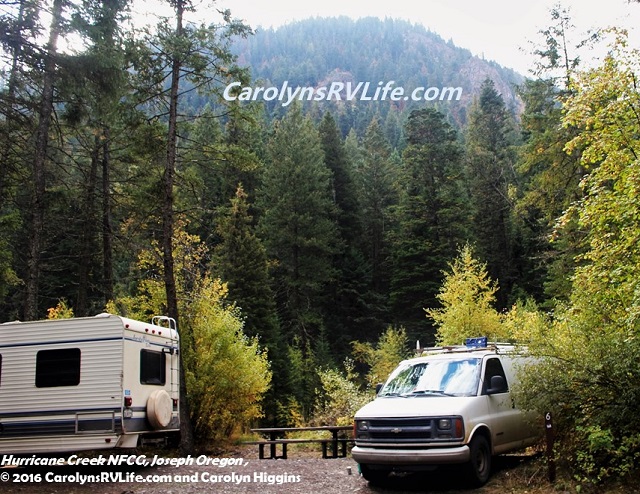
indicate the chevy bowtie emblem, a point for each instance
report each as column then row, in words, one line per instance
column 397, row 430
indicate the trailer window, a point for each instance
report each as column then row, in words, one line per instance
column 152, row 367
column 58, row 368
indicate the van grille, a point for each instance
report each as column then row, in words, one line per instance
column 401, row 430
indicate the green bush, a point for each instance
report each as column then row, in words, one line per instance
column 592, row 388
column 340, row 396
column 227, row 373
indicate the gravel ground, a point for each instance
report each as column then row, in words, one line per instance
column 243, row 472
column 305, row 472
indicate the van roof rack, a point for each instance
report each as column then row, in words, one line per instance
column 471, row 345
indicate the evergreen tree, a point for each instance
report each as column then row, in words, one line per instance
column 430, row 219
column 376, row 182
column 550, row 176
column 240, row 260
column 347, row 307
column 17, row 122
column 347, row 217
column 549, row 184
column 197, row 57
column 297, row 224
column 38, row 178
column 94, row 89
column 490, row 168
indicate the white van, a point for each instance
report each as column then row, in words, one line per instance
column 88, row 383
column 453, row 405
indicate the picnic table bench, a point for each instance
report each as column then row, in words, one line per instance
column 275, row 437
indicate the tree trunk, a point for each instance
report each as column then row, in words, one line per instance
column 107, row 229
column 39, row 162
column 87, row 233
column 11, row 99
column 186, row 429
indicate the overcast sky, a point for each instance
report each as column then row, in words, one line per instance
column 497, row 29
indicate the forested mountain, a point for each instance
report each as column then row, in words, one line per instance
column 318, row 51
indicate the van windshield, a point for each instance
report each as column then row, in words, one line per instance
column 458, row 377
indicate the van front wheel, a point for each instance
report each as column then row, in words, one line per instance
column 479, row 466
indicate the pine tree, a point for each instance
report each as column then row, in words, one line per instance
column 490, row 168
column 346, row 305
column 94, row 89
column 342, row 184
column 430, row 219
column 240, row 261
column 376, row 182
column 198, row 57
column 17, row 39
column 550, row 176
column 297, row 224
column 38, row 183
column 549, row 179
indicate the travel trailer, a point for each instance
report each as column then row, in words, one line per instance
column 452, row 405
column 88, row 383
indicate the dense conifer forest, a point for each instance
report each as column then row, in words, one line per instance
column 319, row 51
column 131, row 182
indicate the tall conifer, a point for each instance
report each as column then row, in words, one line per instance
column 347, row 309
column 240, row 260
column 430, row 220
column 297, row 223
column 490, row 164
column 376, row 183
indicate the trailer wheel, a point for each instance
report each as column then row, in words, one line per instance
column 159, row 409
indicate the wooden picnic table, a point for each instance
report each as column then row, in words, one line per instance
column 275, row 435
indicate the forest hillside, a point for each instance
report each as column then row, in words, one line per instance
column 318, row 51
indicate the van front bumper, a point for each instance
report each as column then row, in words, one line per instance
column 392, row 456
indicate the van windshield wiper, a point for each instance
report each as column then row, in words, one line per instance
column 437, row 392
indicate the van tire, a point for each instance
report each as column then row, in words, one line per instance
column 478, row 469
column 159, row 409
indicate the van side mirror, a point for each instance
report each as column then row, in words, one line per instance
column 379, row 387
column 498, row 385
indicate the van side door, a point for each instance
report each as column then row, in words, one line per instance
column 503, row 418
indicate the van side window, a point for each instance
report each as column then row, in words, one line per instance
column 152, row 367
column 493, row 368
column 58, row 368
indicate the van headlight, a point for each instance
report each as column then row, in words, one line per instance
column 444, row 424
column 450, row 428
column 363, row 425
column 362, row 429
